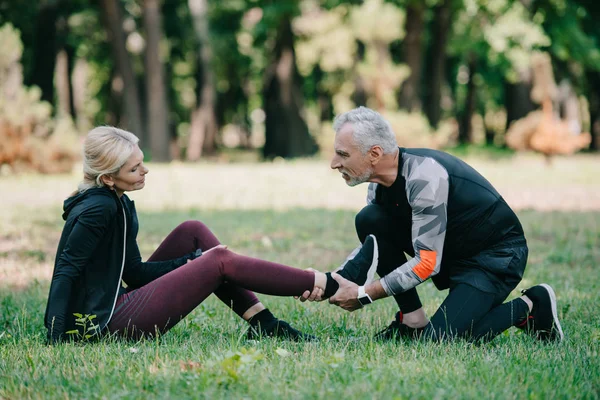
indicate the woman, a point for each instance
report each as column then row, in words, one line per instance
column 98, row 250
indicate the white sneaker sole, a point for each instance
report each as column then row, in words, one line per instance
column 374, row 262
column 554, row 311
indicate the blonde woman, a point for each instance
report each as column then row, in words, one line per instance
column 98, row 251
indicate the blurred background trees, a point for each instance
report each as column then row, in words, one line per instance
column 193, row 78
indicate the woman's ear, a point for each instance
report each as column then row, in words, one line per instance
column 108, row 181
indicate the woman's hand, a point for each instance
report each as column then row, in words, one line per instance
column 318, row 290
column 221, row 246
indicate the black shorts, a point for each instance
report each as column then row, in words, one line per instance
column 497, row 270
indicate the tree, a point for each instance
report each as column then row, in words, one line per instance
column 492, row 43
column 112, row 17
column 465, row 128
column 593, row 79
column 286, row 132
column 157, row 107
column 409, row 97
column 575, row 34
column 44, row 55
column 441, row 24
column 203, row 131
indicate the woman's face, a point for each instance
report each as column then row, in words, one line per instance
column 132, row 175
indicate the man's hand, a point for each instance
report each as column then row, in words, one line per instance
column 347, row 295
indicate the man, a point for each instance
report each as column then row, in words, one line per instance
column 456, row 227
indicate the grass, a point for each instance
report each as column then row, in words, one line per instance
column 308, row 222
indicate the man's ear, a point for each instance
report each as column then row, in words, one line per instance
column 375, row 154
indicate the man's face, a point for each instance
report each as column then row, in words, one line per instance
column 348, row 159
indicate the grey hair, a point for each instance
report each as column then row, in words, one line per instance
column 105, row 150
column 370, row 129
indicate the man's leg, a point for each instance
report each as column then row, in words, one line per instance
column 393, row 240
column 500, row 318
column 459, row 314
column 535, row 312
column 475, row 315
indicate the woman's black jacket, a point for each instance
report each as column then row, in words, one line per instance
column 97, row 250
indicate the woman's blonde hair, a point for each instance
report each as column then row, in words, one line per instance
column 105, row 150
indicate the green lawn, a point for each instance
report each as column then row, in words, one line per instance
column 207, row 356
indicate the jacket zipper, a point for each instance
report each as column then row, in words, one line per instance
column 122, row 268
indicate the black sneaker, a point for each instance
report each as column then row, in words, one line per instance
column 361, row 269
column 397, row 330
column 280, row 329
column 542, row 322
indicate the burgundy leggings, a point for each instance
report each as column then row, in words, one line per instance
column 162, row 303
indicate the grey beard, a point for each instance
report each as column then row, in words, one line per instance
column 357, row 180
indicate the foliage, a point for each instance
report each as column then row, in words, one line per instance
column 501, row 37
column 86, row 328
column 348, row 53
column 29, row 137
column 329, row 39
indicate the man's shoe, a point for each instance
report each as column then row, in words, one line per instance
column 280, row 329
column 361, row 269
column 542, row 322
column 397, row 330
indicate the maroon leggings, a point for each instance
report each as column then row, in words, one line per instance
column 162, row 303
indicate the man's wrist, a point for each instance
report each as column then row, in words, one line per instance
column 375, row 290
column 363, row 298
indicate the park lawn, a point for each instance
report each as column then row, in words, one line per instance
column 207, row 355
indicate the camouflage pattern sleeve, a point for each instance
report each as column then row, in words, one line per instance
column 371, row 193
column 427, row 187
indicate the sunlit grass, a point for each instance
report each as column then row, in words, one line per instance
column 261, row 210
column 525, row 181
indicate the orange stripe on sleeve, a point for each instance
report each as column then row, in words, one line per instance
column 427, row 264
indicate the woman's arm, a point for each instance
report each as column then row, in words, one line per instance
column 83, row 240
column 138, row 273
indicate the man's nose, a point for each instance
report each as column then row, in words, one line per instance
column 335, row 163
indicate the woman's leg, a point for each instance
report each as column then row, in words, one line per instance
column 159, row 305
column 192, row 235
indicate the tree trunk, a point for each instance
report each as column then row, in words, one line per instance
column 63, row 73
column 441, row 29
column 286, row 132
column 61, row 78
column 593, row 79
column 44, row 60
column 517, row 96
column 409, row 97
column 112, row 16
column 466, row 127
column 157, row 108
column 204, row 127
column 70, row 51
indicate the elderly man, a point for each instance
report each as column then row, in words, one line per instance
column 456, row 227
